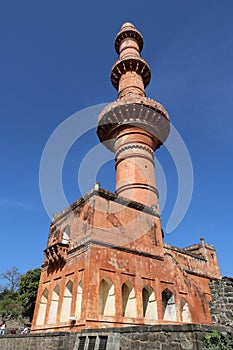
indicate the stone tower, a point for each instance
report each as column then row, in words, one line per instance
column 133, row 127
column 106, row 264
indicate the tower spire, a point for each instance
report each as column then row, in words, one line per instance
column 130, row 74
column 133, row 126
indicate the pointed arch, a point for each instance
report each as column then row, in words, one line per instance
column 54, row 305
column 66, row 235
column 150, row 311
column 107, row 297
column 128, row 300
column 79, row 300
column 185, row 312
column 169, row 306
column 66, row 303
column 42, row 308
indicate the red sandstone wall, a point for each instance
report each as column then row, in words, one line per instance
column 113, row 242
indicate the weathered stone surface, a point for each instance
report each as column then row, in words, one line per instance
column 221, row 306
column 106, row 263
column 131, row 253
column 187, row 337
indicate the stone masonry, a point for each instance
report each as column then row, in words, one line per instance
column 221, row 306
column 157, row 337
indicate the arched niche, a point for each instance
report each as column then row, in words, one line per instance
column 42, row 308
column 185, row 312
column 128, row 300
column 149, row 303
column 66, row 302
column 54, row 305
column 79, row 300
column 106, row 297
column 169, row 306
column 66, row 235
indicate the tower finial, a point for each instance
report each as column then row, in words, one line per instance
column 130, row 74
column 128, row 30
column 127, row 24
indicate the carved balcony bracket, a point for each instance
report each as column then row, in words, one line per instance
column 55, row 254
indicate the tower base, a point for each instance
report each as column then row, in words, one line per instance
column 106, row 265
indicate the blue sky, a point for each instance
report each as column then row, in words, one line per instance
column 56, row 58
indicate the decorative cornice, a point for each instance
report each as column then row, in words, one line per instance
column 108, row 196
column 135, row 64
column 130, row 147
column 90, row 243
column 128, row 31
column 144, row 113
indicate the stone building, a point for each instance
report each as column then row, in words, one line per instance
column 106, row 263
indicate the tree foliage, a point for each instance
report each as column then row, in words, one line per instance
column 9, row 304
column 18, row 296
column 27, row 291
column 217, row 340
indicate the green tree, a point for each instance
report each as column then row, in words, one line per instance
column 217, row 340
column 9, row 304
column 27, row 292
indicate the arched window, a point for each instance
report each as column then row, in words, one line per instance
column 128, row 300
column 185, row 313
column 106, row 297
column 66, row 235
column 66, row 303
column 169, row 307
column 149, row 304
column 42, row 307
column 54, row 305
column 79, row 300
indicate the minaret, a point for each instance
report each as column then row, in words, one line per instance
column 134, row 126
column 106, row 264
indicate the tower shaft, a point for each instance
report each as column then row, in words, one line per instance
column 135, row 178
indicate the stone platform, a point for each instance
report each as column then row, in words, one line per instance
column 161, row 337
